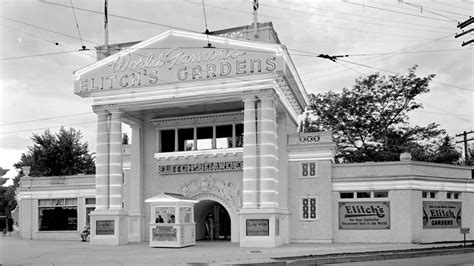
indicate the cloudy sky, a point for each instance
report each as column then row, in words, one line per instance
column 39, row 43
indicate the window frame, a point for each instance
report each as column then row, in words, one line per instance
column 301, row 218
column 53, row 203
column 309, row 163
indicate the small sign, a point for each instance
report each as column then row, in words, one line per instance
column 164, row 233
column 465, row 230
column 105, row 227
column 257, row 227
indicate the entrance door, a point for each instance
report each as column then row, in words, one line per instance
column 212, row 220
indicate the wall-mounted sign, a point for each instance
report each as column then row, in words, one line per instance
column 189, row 168
column 104, row 227
column 257, row 227
column 441, row 214
column 149, row 64
column 364, row 215
column 164, row 233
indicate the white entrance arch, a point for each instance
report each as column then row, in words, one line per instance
column 231, row 210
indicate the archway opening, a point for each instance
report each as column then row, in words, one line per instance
column 212, row 220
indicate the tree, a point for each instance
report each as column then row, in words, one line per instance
column 58, row 155
column 370, row 121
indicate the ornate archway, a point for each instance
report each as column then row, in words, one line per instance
column 225, row 193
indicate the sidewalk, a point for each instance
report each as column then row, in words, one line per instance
column 13, row 250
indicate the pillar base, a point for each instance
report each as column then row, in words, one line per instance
column 260, row 228
column 108, row 227
column 135, row 226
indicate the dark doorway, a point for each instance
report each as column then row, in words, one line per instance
column 209, row 216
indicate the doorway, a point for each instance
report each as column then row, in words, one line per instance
column 221, row 229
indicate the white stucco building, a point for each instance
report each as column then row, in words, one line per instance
column 219, row 126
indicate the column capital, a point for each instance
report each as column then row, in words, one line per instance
column 104, row 107
column 247, row 97
column 268, row 94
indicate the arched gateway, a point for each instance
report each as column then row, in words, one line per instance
column 215, row 196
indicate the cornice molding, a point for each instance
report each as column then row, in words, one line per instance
column 198, row 119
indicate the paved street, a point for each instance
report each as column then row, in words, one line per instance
column 16, row 251
column 458, row 259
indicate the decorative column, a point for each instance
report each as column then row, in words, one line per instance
column 268, row 152
column 102, row 162
column 250, row 171
column 136, row 212
column 115, row 161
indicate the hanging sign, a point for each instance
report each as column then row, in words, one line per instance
column 441, row 214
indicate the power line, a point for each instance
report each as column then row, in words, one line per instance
column 77, row 25
column 45, row 29
column 122, row 17
column 319, row 24
column 346, row 19
column 43, row 119
column 365, row 16
column 37, row 55
column 41, row 38
column 33, row 129
column 398, row 12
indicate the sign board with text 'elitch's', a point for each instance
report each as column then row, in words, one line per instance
column 364, row 215
column 175, row 57
column 441, row 214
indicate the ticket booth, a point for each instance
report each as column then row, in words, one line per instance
column 172, row 221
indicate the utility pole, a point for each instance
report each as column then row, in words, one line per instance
column 465, row 140
column 462, row 25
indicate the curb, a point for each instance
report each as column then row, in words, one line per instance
column 370, row 256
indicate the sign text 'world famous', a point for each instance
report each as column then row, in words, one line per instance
column 138, row 69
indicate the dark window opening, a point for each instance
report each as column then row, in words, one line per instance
column 90, row 201
column 57, row 218
column 224, row 137
column 186, row 139
column 363, row 195
column 167, row 140
column 380, row 194
column 346, row 195
column 239, row 135
column 204, row 138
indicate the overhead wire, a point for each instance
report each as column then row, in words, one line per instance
column 394, row 11
column 122, row 17
column 364, row 16
column 43, row 119
column 319, row 24
column 355, row 20
column 77, row 25
column 45, row 29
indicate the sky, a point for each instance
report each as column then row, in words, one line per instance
column 40, row 43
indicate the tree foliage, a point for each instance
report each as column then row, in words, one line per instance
column 370, row 121
column 58, row 154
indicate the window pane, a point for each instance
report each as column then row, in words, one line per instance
column 456, row 195
column 448, row 195
column 204, row 138
column 312, row 169
column 305, row 208
column 185, row 139
column 363, row 195
column 90, row 201
column 346, row 195
column 239, row 135
column 224, row 137
column 57, row 218
column 167, row 140
column 432, row 195
column 304, row 168
column 424, row 194
column 380, row 194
